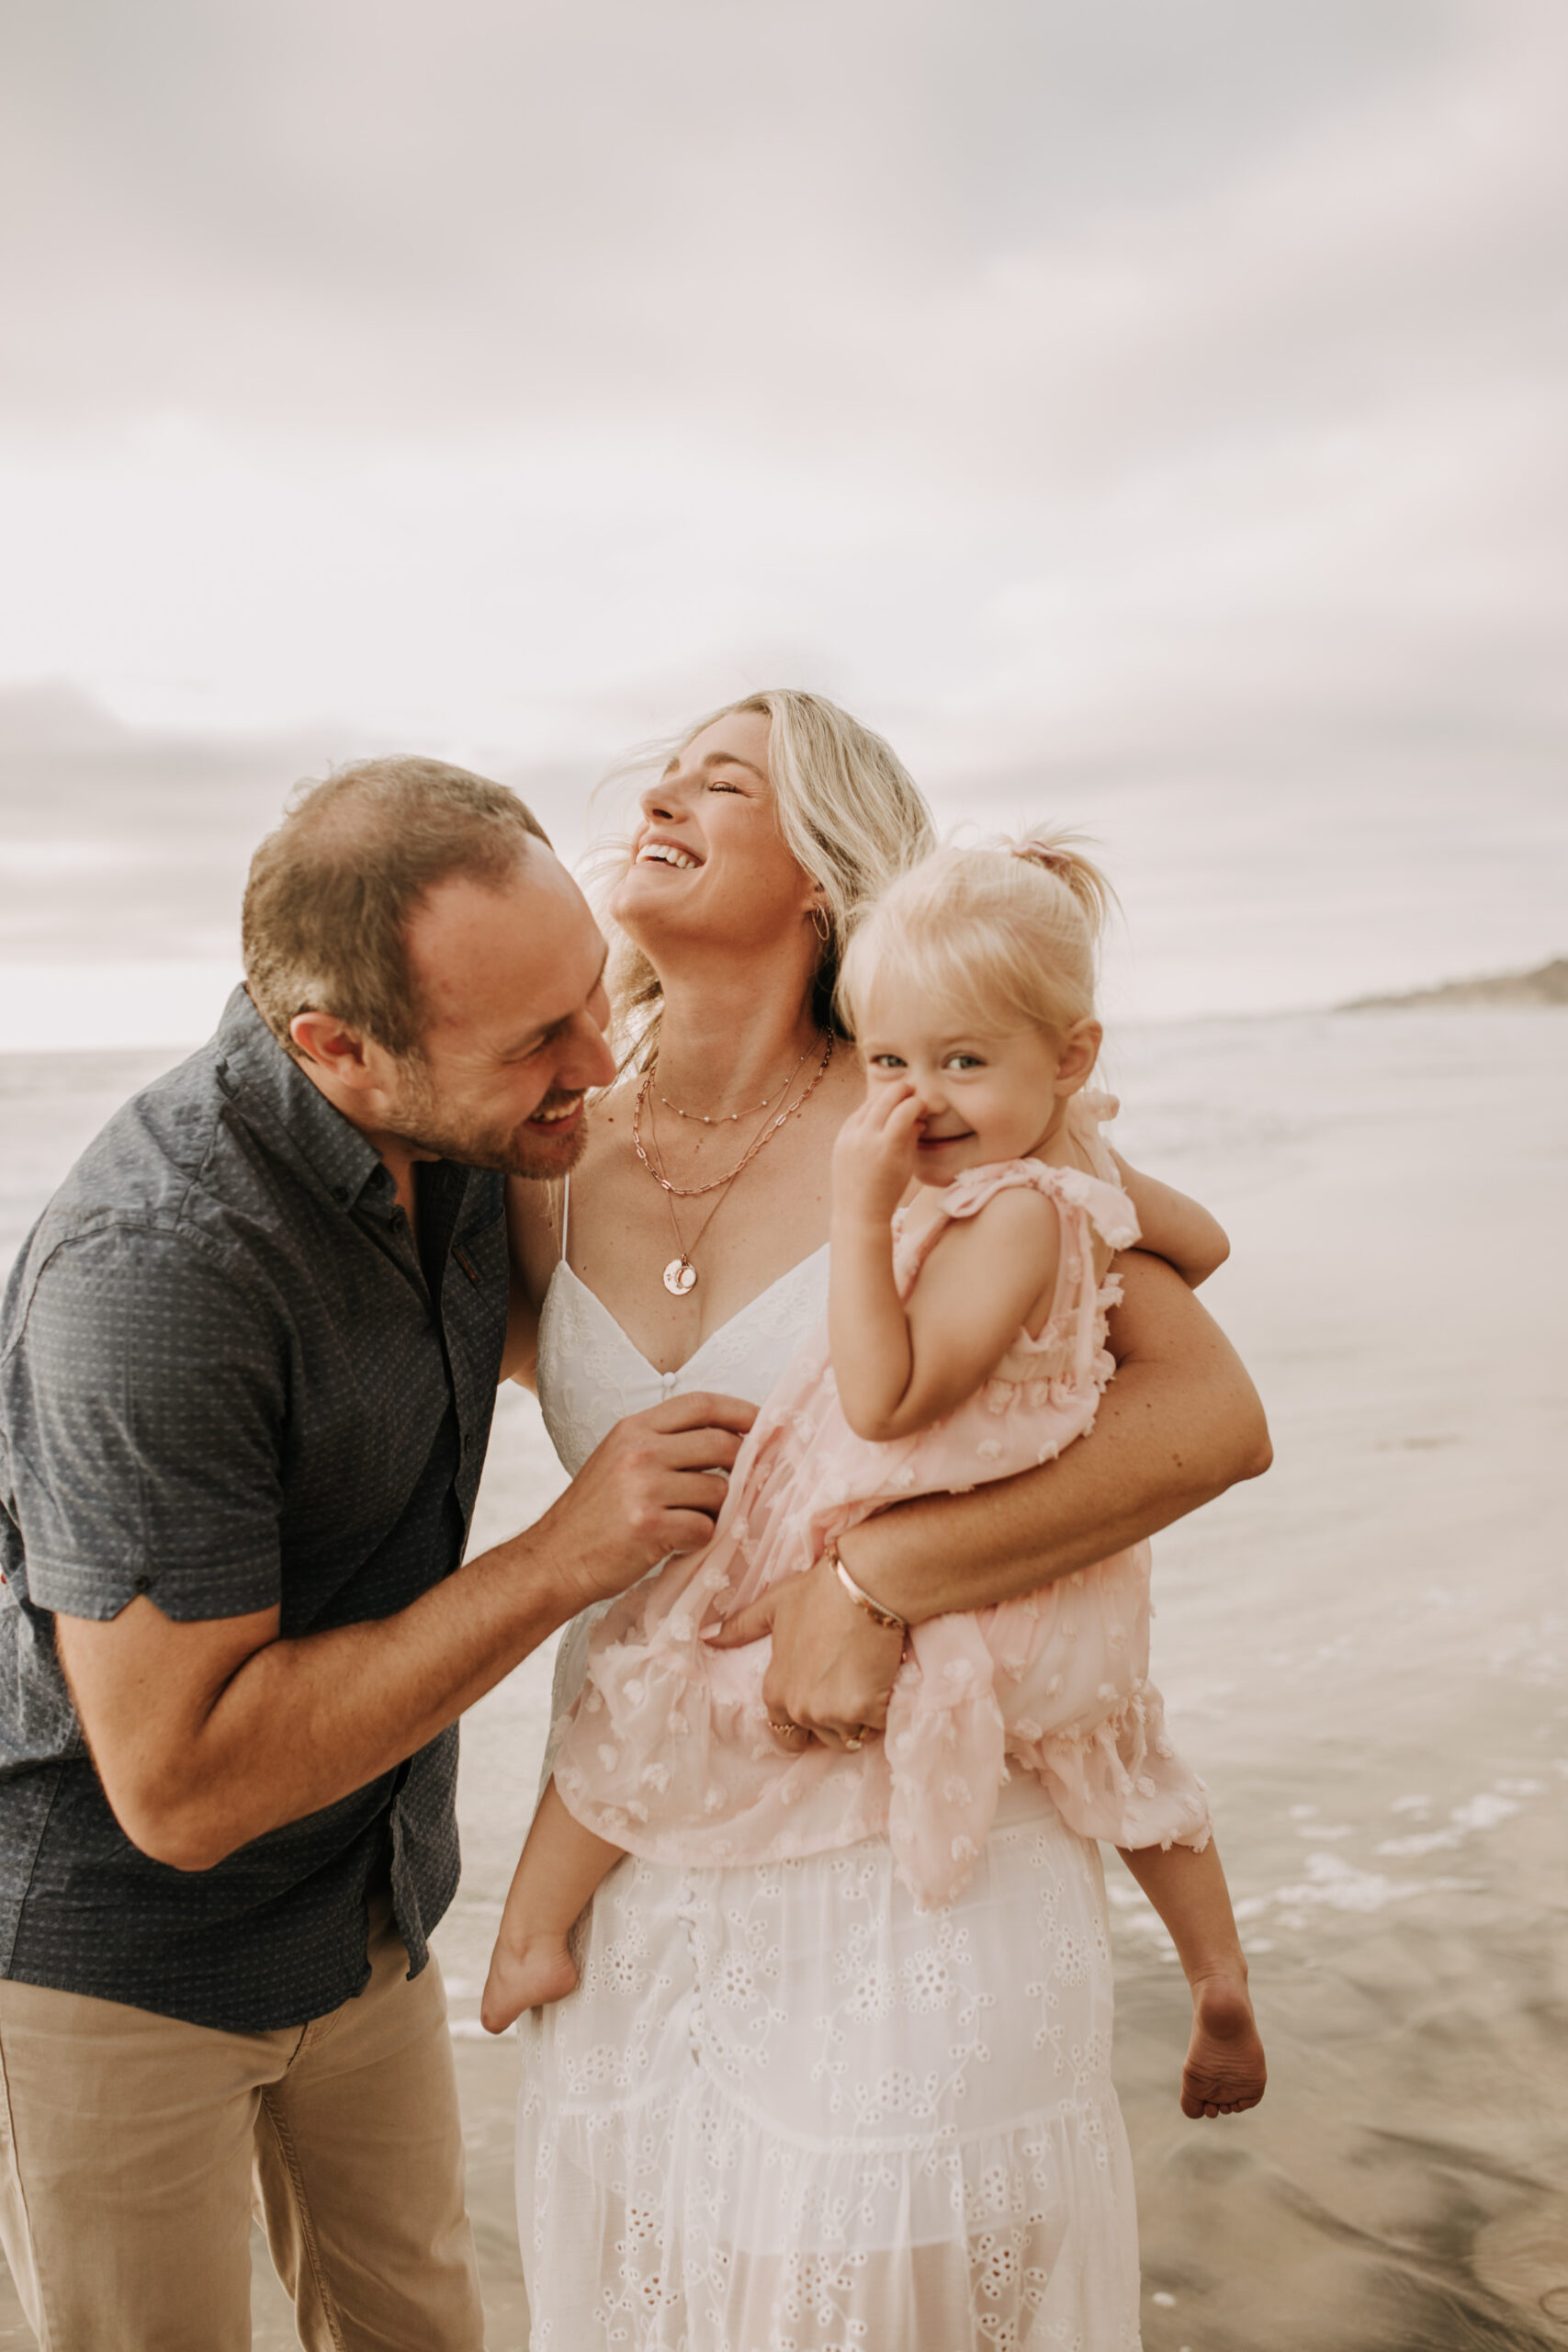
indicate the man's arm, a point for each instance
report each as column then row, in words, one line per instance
column 1180, row 1423
column 207, row 1732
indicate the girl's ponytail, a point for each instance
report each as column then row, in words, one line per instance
column 1059, row 854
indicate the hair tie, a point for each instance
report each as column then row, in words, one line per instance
column 1050, row 854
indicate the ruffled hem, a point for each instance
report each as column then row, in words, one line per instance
column 1121, row 1783
column 693, row 2224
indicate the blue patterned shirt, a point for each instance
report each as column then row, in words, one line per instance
column 231, row 1379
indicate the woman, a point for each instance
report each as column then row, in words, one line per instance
column 784, row 2108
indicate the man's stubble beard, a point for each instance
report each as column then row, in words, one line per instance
column 419, row 1119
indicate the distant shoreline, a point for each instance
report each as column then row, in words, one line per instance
column 1547, row 984
column 56, row 1068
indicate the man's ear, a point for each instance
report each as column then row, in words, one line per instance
column 1080, row 1051
column 334, row 1048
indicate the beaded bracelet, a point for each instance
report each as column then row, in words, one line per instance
column 874, row 1609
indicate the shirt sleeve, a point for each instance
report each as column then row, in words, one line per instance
column 147, row 1431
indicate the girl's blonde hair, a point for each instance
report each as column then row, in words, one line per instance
column 1008, row 935
column 848, row 809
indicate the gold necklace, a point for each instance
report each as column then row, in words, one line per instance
column 679, row 1274
column 733, row 1116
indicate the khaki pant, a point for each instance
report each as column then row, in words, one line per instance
column 131, row 2146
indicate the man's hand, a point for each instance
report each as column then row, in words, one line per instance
column 832, row 1668
column 652, row 1487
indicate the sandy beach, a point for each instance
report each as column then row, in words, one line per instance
column 1362, row 1653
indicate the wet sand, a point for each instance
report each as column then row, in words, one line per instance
column 1363, row 1654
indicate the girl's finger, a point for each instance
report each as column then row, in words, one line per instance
column 893, row 1100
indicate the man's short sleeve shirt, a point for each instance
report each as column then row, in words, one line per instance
column 231, row 1381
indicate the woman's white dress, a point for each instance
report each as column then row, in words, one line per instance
column 785, row 2112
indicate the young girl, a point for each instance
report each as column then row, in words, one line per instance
column 965, row 1341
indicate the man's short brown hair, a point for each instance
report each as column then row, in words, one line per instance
column 331, row 892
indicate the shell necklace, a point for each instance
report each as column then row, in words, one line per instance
column 679, row 1274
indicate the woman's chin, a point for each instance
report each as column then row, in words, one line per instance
column 659, row 917
column 652, row 900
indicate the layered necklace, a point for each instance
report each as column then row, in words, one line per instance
column 679, row 1274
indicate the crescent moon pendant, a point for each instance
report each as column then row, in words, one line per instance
column 679, row 1277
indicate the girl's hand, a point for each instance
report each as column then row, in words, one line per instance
column 874, row 1158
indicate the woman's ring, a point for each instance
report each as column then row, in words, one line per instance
column 785, row 1730
column 858, row 1741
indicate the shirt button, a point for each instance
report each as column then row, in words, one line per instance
column 467, row 1444
column 141, row 1584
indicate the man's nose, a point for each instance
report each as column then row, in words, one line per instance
column 589, row 1059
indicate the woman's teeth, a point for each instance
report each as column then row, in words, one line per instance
column 666, row 853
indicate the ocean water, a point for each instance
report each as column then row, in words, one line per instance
column 1363, row 1654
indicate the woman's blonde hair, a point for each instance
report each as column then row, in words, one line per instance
column 1007, row 934
column 847, row 807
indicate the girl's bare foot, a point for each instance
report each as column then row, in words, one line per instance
column 525, row 1976
column 1224, row 2070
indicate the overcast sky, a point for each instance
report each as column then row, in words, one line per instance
column 1147, row 412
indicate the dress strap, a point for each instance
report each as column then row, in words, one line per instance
column 565, row 1212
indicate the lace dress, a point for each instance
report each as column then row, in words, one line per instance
column 785, row 2111
column 669, row 1753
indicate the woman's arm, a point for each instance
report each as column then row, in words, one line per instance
column 1180, row 1423
column 1173, row 1227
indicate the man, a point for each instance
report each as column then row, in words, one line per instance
column 250, row 1353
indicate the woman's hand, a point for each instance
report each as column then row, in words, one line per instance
column 832, row 1669
column 874, row 1156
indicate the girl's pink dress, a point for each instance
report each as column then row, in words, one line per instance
column 668, row 1753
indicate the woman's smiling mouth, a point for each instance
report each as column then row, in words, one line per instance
column 658, row 851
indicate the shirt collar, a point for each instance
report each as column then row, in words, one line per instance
column 347, row 1162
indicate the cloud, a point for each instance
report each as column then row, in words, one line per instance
column 118, row 843
column 1154, row 412
column 311, row 216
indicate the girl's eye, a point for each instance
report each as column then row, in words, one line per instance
column 887, row 1061
column 965, row 1061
